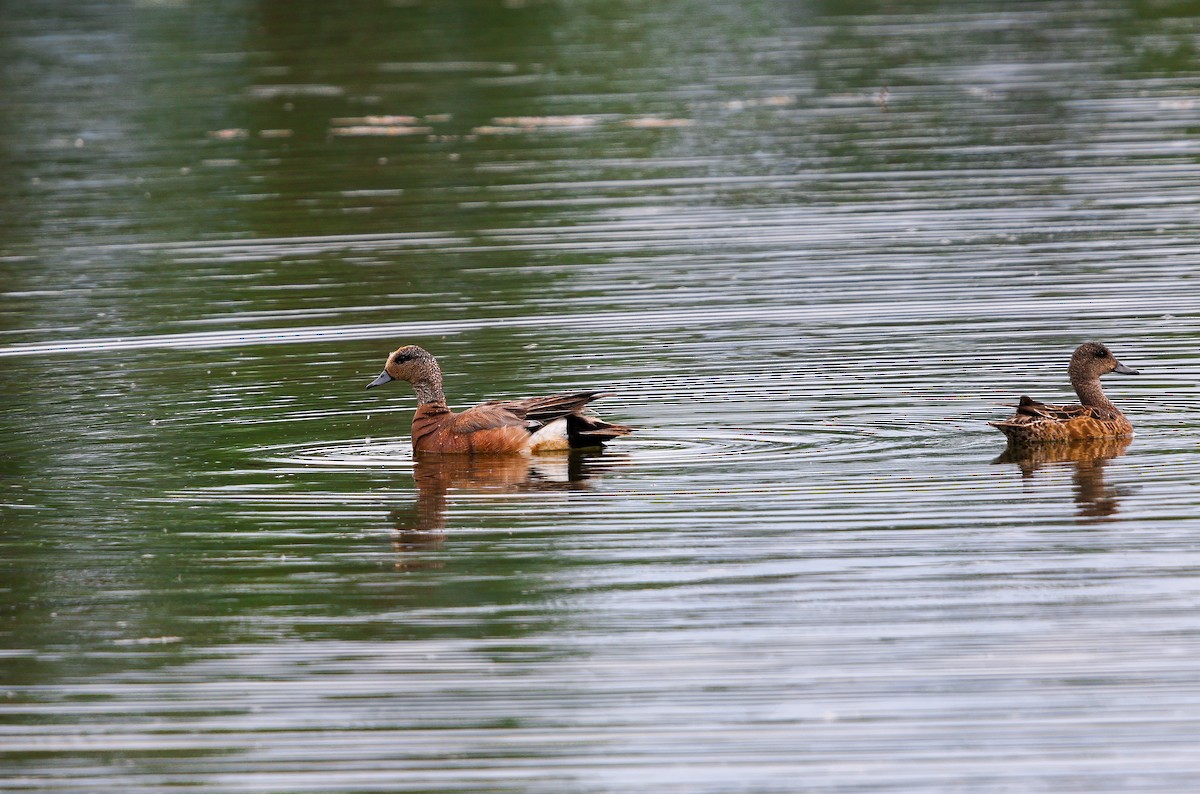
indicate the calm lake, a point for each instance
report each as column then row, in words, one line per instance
column 810, row 249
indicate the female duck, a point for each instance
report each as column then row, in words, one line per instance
column 1095, row 417
column 534, row 424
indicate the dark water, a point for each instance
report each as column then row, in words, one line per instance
column 810, row 248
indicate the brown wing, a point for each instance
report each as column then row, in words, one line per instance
column 1060, row 413
column 486, row 416
column 484, row 428
column 507, row 425
column 1038, row 410
column 1035, row 421
column 544, row 410
column 583, row 429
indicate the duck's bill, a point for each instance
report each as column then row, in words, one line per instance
column 1121, row 368
column 382, row 379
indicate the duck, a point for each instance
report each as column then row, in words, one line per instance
column 1094, row 417
column 523, row 426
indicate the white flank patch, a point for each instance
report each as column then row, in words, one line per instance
column 552, row 436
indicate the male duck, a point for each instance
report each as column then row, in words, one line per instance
column 534, row 424
column 1095, row 417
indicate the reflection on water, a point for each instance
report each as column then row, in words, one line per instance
column 423, row 525
column 1094, row 498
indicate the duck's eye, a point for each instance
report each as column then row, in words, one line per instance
column 1101, row 354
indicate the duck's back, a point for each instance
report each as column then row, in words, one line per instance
column 534, row 424
column 1036, row 421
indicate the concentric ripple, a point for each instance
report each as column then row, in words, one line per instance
column 650, row 448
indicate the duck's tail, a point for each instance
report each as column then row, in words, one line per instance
column 580, row 428
column 591, row 431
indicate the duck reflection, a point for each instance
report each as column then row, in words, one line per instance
column 1094, row 498
column 421, row 527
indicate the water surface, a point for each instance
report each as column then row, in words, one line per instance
column 809, row 249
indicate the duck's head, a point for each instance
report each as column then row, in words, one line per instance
column 409, row 363
column 1092, row 359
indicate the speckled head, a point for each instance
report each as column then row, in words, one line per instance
column 416, row 366
column 1093, row 359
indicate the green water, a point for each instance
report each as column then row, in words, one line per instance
column 811, row 249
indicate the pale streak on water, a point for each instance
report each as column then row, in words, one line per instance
column 808, row 570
